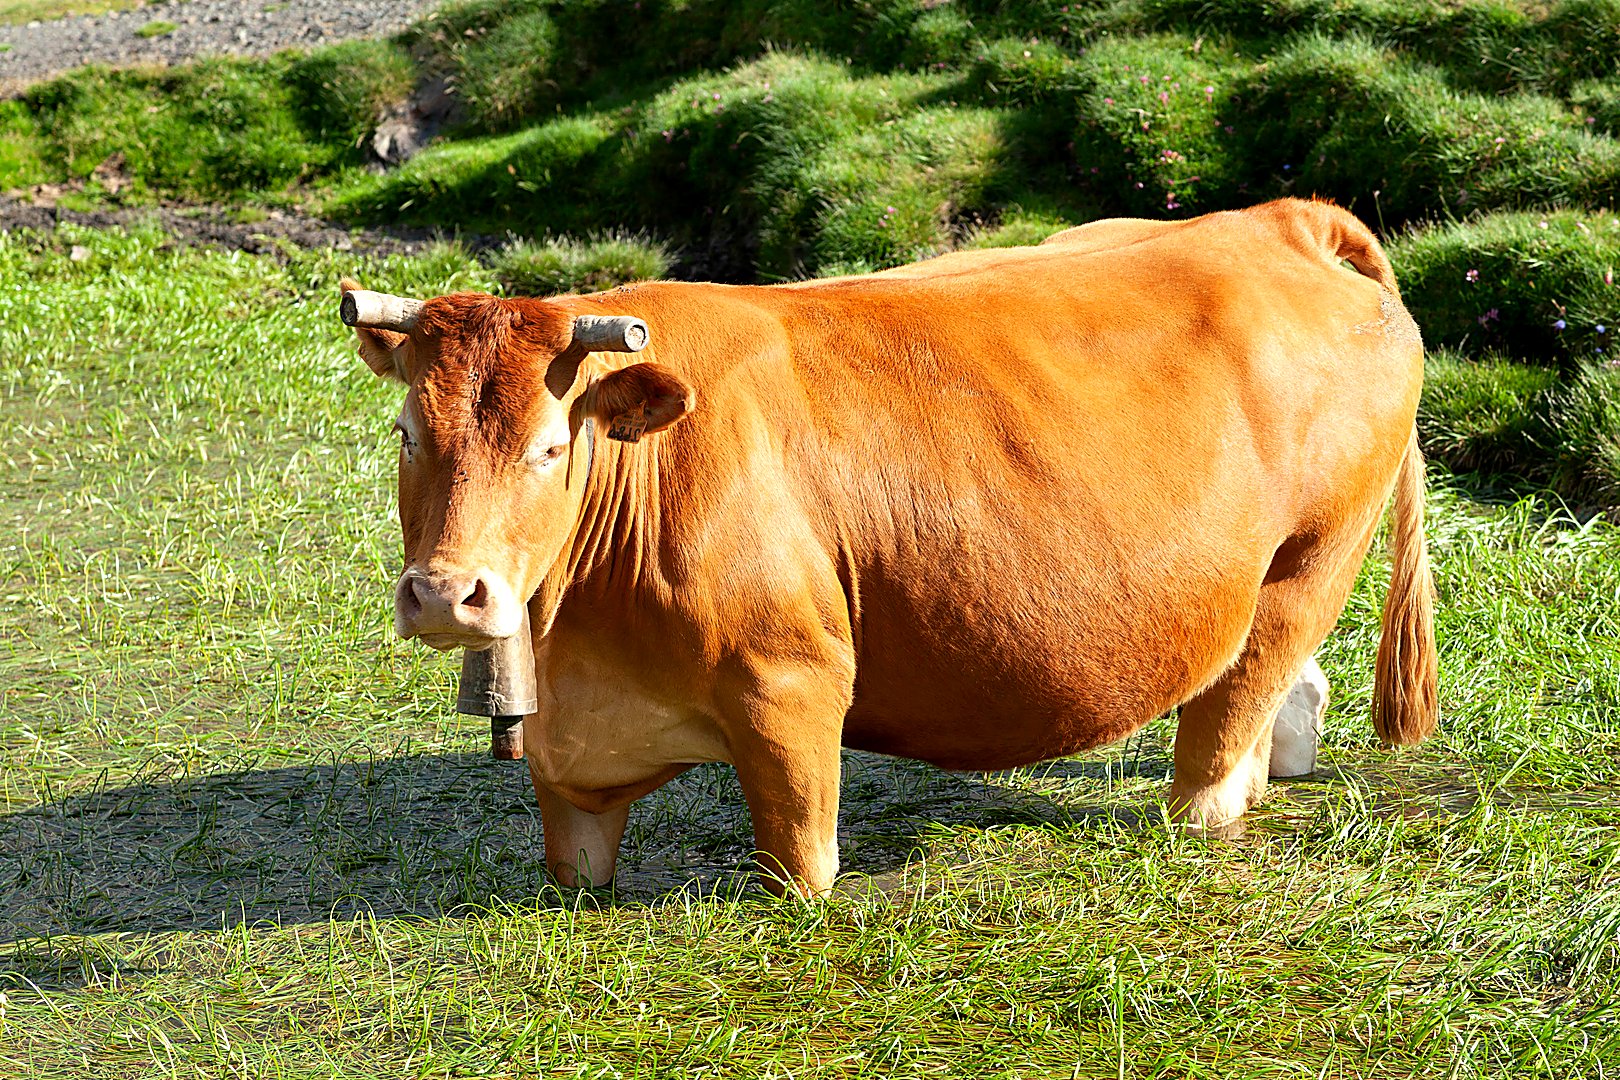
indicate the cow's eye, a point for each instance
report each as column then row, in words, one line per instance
column 545, row 457
column 407, row 445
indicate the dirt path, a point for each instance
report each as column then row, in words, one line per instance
column 213, row 226
column 201, row 28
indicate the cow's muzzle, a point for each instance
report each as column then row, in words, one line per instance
column 450, row 608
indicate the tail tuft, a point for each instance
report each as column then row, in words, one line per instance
column 1406, row 705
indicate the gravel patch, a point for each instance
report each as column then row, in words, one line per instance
column 202, row 28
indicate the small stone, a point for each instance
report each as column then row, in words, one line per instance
column 79, row 253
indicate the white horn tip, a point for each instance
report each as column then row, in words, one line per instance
column 611, row 333
column 380, row 311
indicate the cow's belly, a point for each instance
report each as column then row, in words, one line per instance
column 602, row 730
column 991, row 681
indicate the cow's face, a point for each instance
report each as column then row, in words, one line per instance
column 495, row 452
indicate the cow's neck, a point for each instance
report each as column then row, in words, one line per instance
column 615, row 540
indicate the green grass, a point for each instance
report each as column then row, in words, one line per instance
column 508, row 74
column 1310, row 116
column 21, row 155
column 18, row 12
column 1527, row 425
column 1535, row 285
column 563, row 264
column 785, row 139
column 780, row 167
column 157, row 28
column 1526, row 310
column 1486, row 414
column 241, row 831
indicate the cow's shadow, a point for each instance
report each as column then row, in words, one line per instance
column 428, row 834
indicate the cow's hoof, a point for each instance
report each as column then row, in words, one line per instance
column 1205, row 814
column 1226, row 830
column 1298, row 728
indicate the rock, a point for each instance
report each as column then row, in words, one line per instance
column 110, row 173
column 405, row 128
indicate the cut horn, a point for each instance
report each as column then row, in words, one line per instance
column 610, row 333
column 379, row 311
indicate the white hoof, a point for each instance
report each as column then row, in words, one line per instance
column 1299, row 724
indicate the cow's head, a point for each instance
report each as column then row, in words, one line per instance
column 496, row 434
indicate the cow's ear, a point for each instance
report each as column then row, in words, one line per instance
column 380, row 349
column 639, row 400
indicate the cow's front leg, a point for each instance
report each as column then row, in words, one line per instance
column 785, row 738
column 581, row 847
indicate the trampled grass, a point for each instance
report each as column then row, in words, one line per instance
column 241, row 831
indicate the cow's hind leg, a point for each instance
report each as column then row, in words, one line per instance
column 1298, row 725
column 1223, row 740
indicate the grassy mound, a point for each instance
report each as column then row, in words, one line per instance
column 779, row 167
column 1133, row 106
column 1541, row 286
column 1525, row 424
column 216, row 128
column 1526, row 309
column 1342, row 118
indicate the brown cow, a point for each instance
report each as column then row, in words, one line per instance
column 988, row 509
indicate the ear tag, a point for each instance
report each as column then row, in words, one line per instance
column 630, row 426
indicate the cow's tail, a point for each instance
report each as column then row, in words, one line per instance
column 1353, row 242
column 1405, row 687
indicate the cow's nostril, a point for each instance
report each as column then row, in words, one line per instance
column 410, row 602
column 479, row 596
